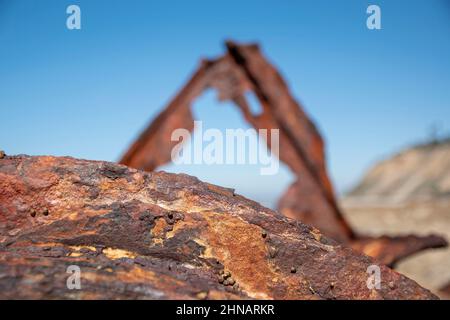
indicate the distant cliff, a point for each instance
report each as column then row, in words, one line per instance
column 420, row 173
column 408, row 193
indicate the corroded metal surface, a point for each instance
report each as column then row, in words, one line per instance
column 159, row 235
column 310, row 198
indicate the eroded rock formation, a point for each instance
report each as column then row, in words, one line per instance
column 159, row 235
column 414, row 175
column 408, row 193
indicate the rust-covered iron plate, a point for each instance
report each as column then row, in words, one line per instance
column 139, row 235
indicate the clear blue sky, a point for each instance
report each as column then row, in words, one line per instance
column 88, row 93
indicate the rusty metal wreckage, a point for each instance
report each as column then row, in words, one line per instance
column 310, row 198
column 157, row 235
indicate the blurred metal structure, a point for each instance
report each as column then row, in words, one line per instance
column 310, row 198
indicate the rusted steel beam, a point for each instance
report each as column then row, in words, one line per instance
column 310, row 198
column 242, row 69
column 390, row 250
column 139, row 235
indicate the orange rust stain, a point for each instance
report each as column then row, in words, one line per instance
column 179, row 225
column 158, row 229
column 39, row 244
column 373, row 249
column 113, row 253
column 316, row 234
column 94, row 277
column 139, row 275
column 242, row 250
column 117, row 186
column 75, row 254
column 76, row 250
column 73, row 216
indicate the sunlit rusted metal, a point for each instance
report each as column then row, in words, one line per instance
column 310, row 198
column 139, row 235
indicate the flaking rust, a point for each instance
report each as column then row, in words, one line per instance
column 310, row 198
column 102, row 217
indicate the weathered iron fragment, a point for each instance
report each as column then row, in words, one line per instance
column 139, row 235
column 310, row 198
column 390, row 250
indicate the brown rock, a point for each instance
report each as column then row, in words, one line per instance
column 111, row 221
